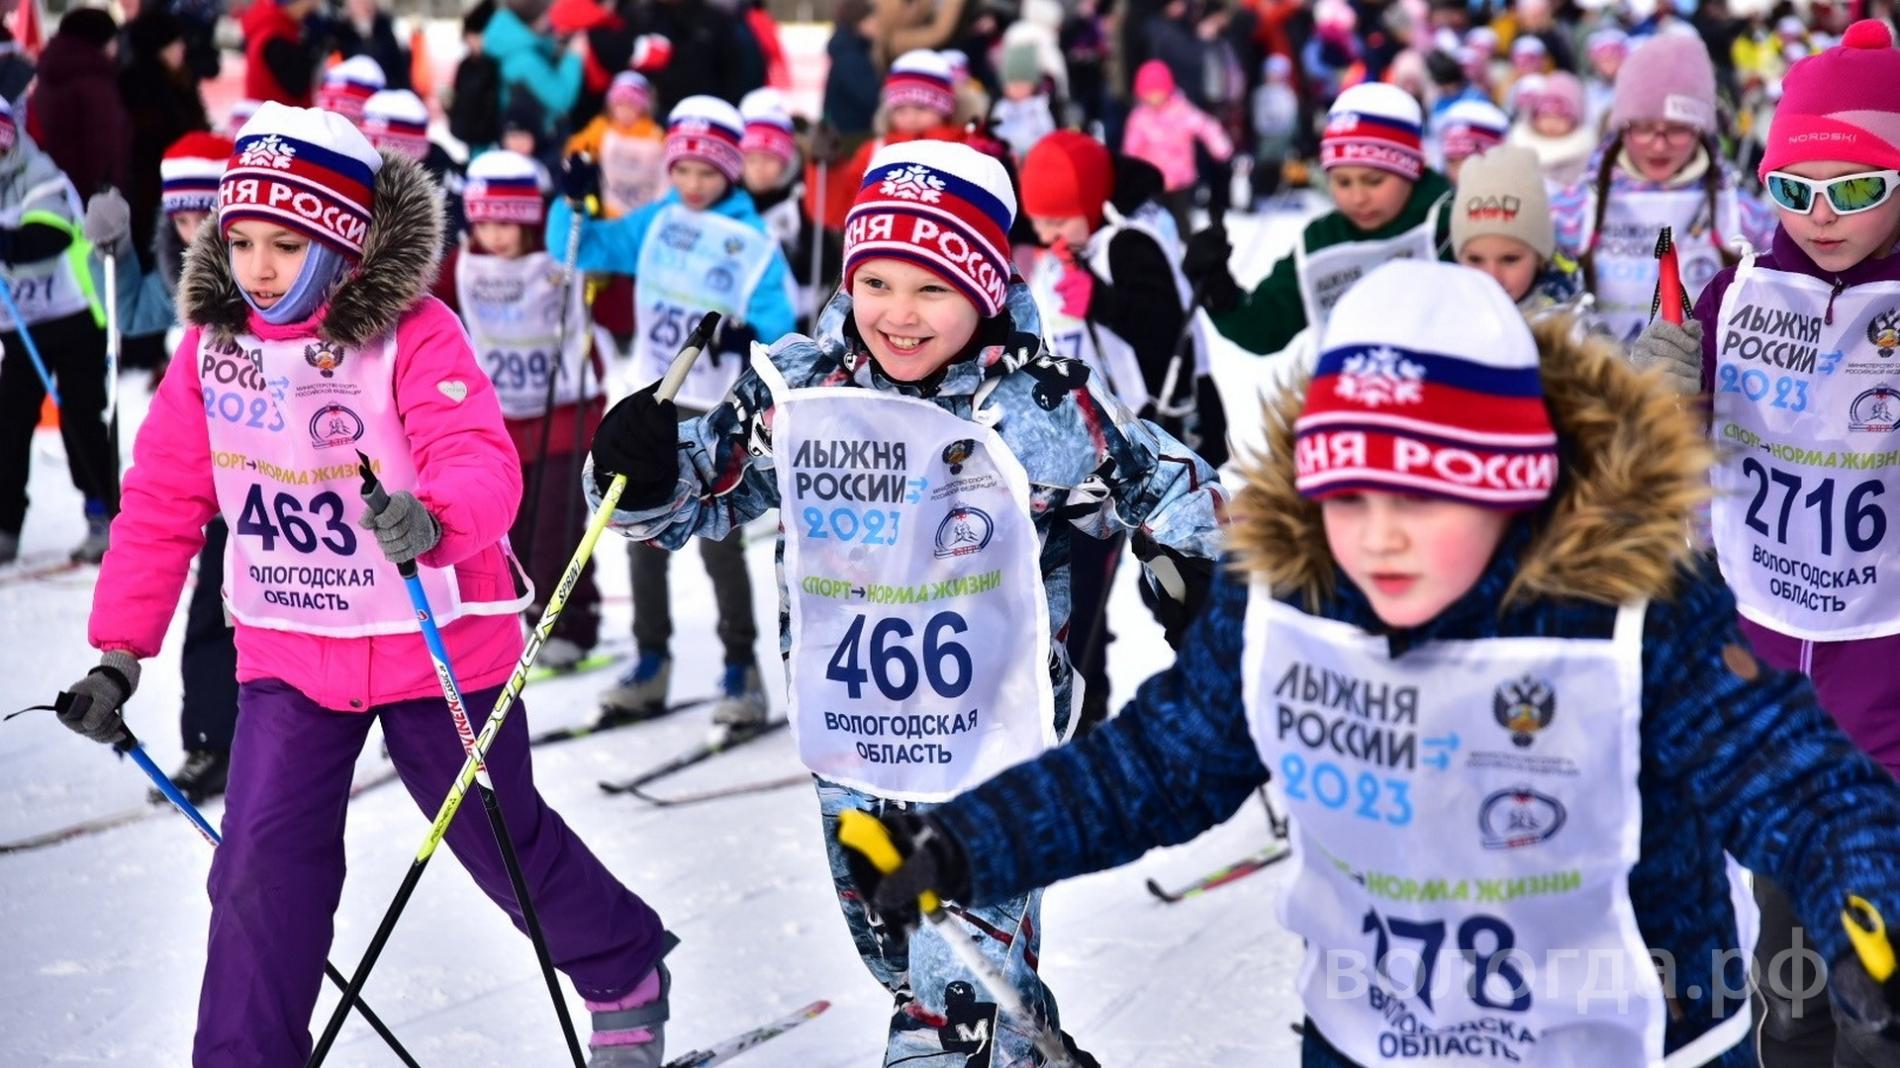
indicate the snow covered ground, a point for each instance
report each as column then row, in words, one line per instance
column 102, row 938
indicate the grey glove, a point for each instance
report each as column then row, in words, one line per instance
column 93, row 705
column 405, row 529
column 1676, row 350
column 109, row 222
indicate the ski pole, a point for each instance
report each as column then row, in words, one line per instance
column 377, row 499
column 669, row 385
column 577, row 211
column 113, row 352
column 816, row 225
column 26, row 338
column 860, row 831
column 129, row 745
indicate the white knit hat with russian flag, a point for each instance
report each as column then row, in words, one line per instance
column 189, row 172
column 707, row 129
column 305, row 169
column 1375, row 125
column 347, row 87
column 768, row 125
column 503, row 186
column 1469, row 127
column 1427, row 384
column 941, row 205
column 398, row 120
column 921, row 78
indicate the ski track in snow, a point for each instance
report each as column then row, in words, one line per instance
column 102, row 938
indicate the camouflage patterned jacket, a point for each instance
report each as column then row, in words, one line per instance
column 1092, row 466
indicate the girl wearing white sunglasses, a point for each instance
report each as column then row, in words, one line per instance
column 1799, row 348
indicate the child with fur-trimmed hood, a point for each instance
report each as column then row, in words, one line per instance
column 1507, row 707
column 311, row 336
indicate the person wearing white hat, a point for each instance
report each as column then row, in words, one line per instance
column 500, row 278
column 1388, row 204
column 772, row 177
column 628, row 145
column 702, row 247
column 347, row 87
column 310, row 337
column 1500, row 224
column 1519, row 738
column 918, row 101
column 1465, row 129
column 916, row 443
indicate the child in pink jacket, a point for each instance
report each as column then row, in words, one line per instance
column 310, row 336
column 1162, row 129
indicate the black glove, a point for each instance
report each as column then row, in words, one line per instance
column 827, row 144
column 933, row 862
column 580, row 178
column 1864, row 983
column 93, row 705
column 1205, row 264
column 639, row 438
column 1174, row 586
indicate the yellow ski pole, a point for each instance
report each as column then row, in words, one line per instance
column 862, row 832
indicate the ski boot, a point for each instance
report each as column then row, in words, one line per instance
column 640, row 693
column 98, row 536
column 9, row 547
column 200, row 778
column 560, row 655
column 740, row 710
column 631, row 1032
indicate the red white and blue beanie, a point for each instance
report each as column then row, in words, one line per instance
column 632, row 88
column 1471, row 126
column 768, row 125
column 9, row 129
column 1427, row 384
column 707, row 129
column 921, row 78
column 503, row 186
column 942, row 206
column 398, row 120
column 1374, row 125
column 189, row 172
column 347, row 87
column 306, row 170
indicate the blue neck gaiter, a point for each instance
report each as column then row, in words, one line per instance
column 323, row 266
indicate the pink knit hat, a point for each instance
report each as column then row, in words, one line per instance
column 1668, row 78
column 1843, row 104
column 1562, row 94
column 1154, row 78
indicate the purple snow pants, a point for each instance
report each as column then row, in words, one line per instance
column 276, row 879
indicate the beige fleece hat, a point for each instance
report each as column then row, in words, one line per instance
column 1501, row 191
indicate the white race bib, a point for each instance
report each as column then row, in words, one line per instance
column 1806, row 486
column 920, row 650
column 1325, row 274
column 694, row 262
column 285, row 420
column 512, row 310
column 1624, row 259
column 1466, row 817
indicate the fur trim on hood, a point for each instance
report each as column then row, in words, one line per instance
column 1633, row 465
column 400, row 257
